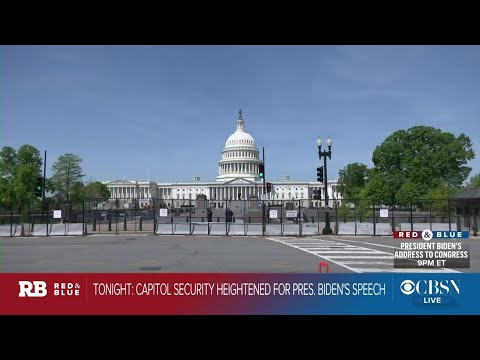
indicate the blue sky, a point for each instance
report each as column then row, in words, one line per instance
column 165, row 112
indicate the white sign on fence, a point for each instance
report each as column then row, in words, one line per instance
column 384, row 213
column 57, row 214
column 273, row 214
column 292, row 213
column 163, row 212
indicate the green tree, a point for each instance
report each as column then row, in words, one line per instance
column 437, row 199
column 409, row 193
column 97, row 190
column 352, row 179
column 18, row 174
column 8, row 160
column 474, row 181
column 379, row 187
column 77, row 193
column 423, row 156
column 28, row 169
column 66, row 171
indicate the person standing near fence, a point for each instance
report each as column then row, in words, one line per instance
column 229, row 215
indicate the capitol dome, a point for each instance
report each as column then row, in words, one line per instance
column 240, row 157
column 240, row 138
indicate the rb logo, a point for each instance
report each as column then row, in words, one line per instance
column 32, row 289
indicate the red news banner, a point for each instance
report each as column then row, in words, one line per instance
column 129, row 293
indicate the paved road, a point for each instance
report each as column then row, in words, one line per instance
column 150, row 253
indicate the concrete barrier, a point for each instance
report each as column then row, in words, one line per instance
column 253, row 229
column 364, row 228
column 41, row 229
column 181, row 229
column 348, row 228
column 383, row 229
column 237, row 229
column 310, row 229
column 200, row 228
column 273, row 229
column 57, row 229
column 291, row 229
column 425, row 226
column 219, row 228
column 164, row 229
column 74, row 229
column 17, row 230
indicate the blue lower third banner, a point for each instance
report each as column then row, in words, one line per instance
column 240, row 294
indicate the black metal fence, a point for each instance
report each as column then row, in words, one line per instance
column 234, row 217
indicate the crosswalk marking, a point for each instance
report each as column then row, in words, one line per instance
column 352, row 257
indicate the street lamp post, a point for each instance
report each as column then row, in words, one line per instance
column 327, row 230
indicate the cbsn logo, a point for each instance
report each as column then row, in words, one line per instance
column 431, row 291
column 39, row 289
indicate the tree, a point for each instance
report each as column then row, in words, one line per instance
column 437, row 199
column 19, row 171
column 409, row 193
column 66, row 171
column 77, row 193
column 8, row 160
column 474, row 181
column 97, row 190
column 28, row 169
column 379, row 187
column 352, row 179
column 424, row 157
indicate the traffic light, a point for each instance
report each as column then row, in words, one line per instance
column 320, row 174
column 39, row 187
column 269, row 187
column 261, row 170
column 317, row 195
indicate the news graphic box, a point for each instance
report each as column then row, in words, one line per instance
column 432, row 249
column 238, row 294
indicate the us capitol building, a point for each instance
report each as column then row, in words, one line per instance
column 237, row 179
